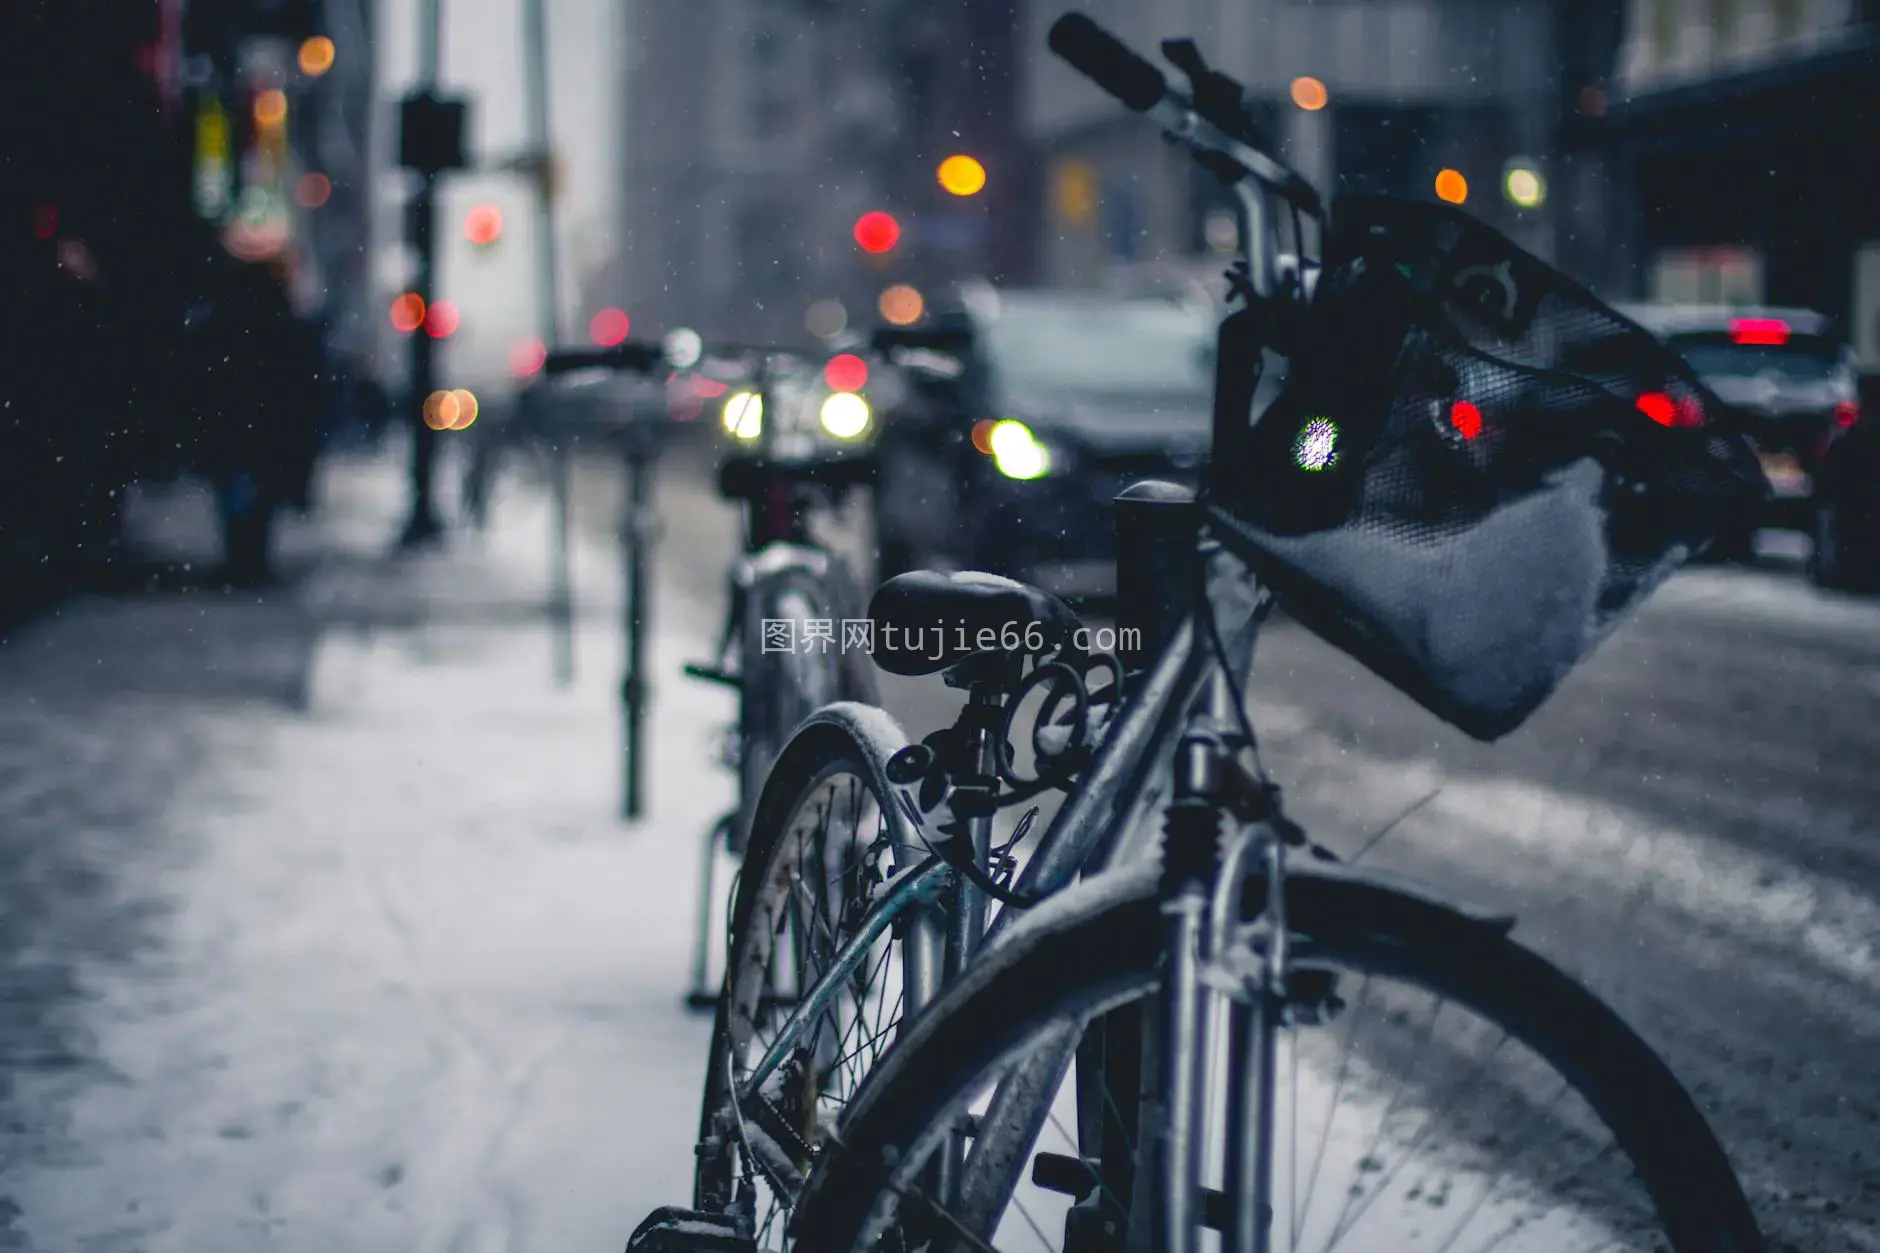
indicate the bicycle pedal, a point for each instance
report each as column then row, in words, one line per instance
column 712, row 674
column 674, row 1230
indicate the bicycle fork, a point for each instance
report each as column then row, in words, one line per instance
column 1203, row 878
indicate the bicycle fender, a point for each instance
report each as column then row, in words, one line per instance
column 776, row 559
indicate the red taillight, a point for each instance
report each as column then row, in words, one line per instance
column 1764, row 331
column 1846, row 414
column 1665, row 411
column 1466, row 418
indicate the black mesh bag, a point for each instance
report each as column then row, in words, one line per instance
column 1475, row 469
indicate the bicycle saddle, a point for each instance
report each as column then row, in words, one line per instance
column 926, row 621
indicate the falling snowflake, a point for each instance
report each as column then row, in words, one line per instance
column 1317, row 445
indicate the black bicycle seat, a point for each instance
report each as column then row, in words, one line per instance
column 926, row 621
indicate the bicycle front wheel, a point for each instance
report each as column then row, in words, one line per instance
column 1580, row 1138
column 794, row 1033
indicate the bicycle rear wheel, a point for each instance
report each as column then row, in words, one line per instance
column 785, row 677
column 1653, row 1176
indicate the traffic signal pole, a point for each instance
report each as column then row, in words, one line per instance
column 424, row 523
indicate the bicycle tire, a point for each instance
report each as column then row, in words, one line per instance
column 844, row 737
column 1096, row 943
column 782, row 688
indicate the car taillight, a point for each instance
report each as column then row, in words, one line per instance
column 1665, row 411
column 1770, row 332
column 1846, row 414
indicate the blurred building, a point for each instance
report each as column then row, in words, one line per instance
column 754, row 132
column 1360, row 95
column 1739, row 136
column 760, row 131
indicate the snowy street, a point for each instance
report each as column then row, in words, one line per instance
column 320, row 931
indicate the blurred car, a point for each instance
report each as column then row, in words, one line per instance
column 1792, row 376
column 1025, row 412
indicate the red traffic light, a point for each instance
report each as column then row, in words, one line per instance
column 877, row 232
column 484, row 225
column 846, row 373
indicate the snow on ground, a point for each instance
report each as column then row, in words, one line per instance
column 420, row 989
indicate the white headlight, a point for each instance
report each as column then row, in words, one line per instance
column 744, row 415
column 844, row 415
column 1017, row 452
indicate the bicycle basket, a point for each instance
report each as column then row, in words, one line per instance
column 1475, row 469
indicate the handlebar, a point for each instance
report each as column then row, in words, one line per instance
column 1211, row 120
column 1108, row 62
column 632, row 356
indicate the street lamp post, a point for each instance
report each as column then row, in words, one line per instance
column 433, row 143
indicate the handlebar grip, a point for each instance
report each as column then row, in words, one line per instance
column 636, row 356
column 1107, row 61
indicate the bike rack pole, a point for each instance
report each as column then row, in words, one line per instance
column 636, row 523
column 561, row 596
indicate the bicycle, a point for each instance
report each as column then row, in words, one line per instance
column 782, row 470
column 1190, row 946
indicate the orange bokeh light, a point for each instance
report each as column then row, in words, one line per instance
column 271, row 108
column 901, row 305
column 1451, row 186
column 467, row 408
column 317, row 56
column 408, row 312
column 1309, row 93
column 442, row 410
column 961, row 175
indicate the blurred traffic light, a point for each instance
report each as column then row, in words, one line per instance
column 877, row 232
column 609, row 327
column 483, row 226
column 1523, row 186
column 1451, row 186
column 960, row 175
column 846, row 373
column 1309, row 93
column 317, row 56
column 408, row 313
column 441, row 320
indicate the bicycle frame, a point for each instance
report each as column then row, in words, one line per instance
column 1179, row 722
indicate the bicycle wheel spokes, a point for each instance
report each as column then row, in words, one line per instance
column 815, row 881
column 1403, row 1123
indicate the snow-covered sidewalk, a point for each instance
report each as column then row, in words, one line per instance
column 414, row 986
